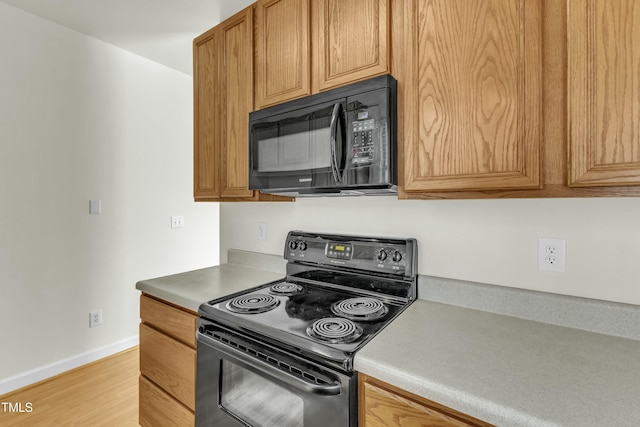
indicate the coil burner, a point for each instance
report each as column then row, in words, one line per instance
column 360, row 309
column 335, row 330
column 253, row 304
column 286, row 289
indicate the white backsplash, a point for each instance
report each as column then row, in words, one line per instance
column 486, row 241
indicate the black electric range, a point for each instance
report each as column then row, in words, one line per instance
column 338, row 293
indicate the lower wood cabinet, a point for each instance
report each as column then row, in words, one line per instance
column 167, row 364
column 158, row 408
column 382, row 405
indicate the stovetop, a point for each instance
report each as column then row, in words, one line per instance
column 287, row 323
column 328, row 306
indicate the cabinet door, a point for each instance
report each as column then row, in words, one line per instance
column 235, row 89
column 283, row 54
column 206, row 108
column 351, row 41
column 604, row 92
column 471, row 98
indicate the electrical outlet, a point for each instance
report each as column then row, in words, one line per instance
column 95, row 318
column 262, row 230
column 177, row 221
column 552, row 254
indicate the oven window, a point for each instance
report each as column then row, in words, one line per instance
column 258, row 401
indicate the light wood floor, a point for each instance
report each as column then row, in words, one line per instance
column 102, row 393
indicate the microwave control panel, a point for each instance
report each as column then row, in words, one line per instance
column 363, row 143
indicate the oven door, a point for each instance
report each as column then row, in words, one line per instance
column 303, row 149
column 242, row 382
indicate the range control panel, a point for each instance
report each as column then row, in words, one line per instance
column 384, row 255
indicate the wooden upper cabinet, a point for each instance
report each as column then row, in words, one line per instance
column 283, row 51
column 223, row 99
column 351, row 41
column 235, row 90
column 206, row 148
column 470, row 103
column 604, row 92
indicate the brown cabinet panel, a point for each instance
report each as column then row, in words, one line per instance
column 206, row 148
column 564, row 117
column 169, row 364
column 471, row 94
column 383, row 405
column 157, row 408
column 351, row 41
column 604, row 92
column 236, row 91
column 283, row 51
column 174, row 322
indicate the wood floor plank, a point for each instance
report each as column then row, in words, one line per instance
column 102, row 393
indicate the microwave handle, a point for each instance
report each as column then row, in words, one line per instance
column 333, row 131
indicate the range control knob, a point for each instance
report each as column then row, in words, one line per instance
column 382, row 255
column 397, row 256
column 293, row 244
column 302, row 246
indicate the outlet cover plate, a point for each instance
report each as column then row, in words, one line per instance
column 95, row 318
column 552, row 254
column 262, row 230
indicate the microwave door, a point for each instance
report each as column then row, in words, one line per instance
column 295, row 150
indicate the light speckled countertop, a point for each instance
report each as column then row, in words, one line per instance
column 508, row 371
column 244, row 270
column 502, row 369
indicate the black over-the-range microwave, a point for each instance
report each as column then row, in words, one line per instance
column 338, row 142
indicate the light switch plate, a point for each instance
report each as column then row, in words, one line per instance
column 177, row 221
column 95, row 207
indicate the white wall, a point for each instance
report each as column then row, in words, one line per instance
column 81, row 120
column 487, row 241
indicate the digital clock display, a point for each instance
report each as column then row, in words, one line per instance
column 339, row 250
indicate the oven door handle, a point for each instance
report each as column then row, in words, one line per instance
column 264, row 367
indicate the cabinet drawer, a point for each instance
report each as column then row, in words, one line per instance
column 168, row 363
column 158, row 408
column 382, row 405
column 174, row 322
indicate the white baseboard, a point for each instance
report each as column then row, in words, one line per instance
column 33, row 376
